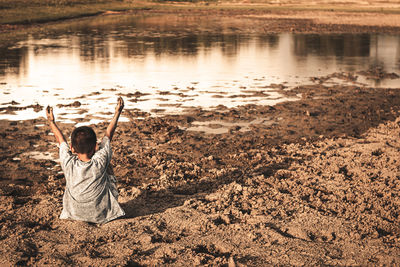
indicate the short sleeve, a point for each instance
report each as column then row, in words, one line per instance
column 104, row 154
column 65, row 155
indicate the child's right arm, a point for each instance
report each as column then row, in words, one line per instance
column 54, row 128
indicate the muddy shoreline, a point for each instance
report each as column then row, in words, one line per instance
column 298, row 21
column 264, row 19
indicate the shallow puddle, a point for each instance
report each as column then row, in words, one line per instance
column 38, row 155
column 162, row 68
column 221, row 127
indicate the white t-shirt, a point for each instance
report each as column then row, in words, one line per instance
column 90, row 193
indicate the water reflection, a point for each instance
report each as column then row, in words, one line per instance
column 345, row 45
column 196, row 67
column 13, row 61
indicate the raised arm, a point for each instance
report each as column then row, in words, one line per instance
column 113, row 124
column 54, row 128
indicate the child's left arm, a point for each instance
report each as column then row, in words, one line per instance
column 54, row 128
column 113, row 124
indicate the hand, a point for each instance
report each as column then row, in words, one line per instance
column 120, row 105
column 49, row 113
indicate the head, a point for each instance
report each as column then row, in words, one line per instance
column 83, row 141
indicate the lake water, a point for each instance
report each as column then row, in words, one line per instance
column 168, row 69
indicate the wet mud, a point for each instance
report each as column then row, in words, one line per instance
column 307, row 182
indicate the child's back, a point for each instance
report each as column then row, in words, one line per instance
column 90, row 193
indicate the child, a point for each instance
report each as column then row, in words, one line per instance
column 90, row 194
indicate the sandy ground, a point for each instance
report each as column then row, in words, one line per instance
column 311, row 182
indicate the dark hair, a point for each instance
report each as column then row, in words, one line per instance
column 83, row 140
